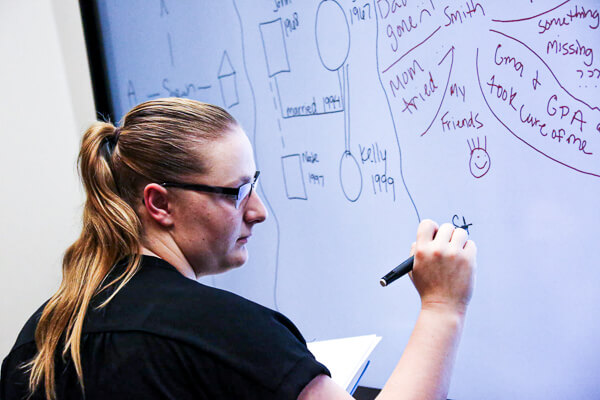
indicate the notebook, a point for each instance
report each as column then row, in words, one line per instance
column 346, row 358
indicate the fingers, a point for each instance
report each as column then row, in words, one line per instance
column 459, row 238
column 427, row 231
column 470, row 249
column 444, row 268
column 444, row 233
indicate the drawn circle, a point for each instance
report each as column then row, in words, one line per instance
column 480, row 162
column 332, row 34
column 350, row 176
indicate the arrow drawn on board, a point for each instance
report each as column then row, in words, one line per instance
column 451, row 51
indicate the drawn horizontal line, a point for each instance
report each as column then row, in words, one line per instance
column 310, row 115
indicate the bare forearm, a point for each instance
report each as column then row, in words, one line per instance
column 425, row 368
column 443, row 274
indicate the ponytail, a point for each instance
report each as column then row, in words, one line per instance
column 157, row 143
column 111, row 231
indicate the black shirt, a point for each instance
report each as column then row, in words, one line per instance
column 164, row 336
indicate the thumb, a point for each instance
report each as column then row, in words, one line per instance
column 412, row 253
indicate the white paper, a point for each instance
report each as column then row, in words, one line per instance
column 345, row 358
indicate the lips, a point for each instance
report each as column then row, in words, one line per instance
column 244, row 239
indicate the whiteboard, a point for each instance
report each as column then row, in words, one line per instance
column 367, row 117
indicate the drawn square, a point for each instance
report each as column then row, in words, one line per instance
column 293, row 177
column 228, row 87
column 274, row 45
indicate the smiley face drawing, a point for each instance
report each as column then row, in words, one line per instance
column 479, row 164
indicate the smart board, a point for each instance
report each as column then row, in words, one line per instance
column 369, row 116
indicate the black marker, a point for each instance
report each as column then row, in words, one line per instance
column 405, row 267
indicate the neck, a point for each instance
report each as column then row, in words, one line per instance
column 172, row 255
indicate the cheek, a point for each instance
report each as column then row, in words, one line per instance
column 229, row 225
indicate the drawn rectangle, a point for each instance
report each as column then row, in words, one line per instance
column 274, row 45
column 293, row 177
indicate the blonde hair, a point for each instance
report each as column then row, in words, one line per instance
column 156, row 143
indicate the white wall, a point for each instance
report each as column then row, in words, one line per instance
column 45, row 105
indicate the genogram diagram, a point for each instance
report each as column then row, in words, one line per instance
column 487, row 111
column 504, row 81
column 534, row 75
column 531, row 77
column 330, row 21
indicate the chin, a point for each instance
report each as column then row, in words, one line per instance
column 237, row 261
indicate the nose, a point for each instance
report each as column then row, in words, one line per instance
column 255, row 212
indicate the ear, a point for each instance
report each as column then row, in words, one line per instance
column 156, row 202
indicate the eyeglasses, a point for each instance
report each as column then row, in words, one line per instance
column 239, row 194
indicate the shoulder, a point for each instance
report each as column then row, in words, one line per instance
column 13, row 380
column 160, row 299
column 258, row 343
column 27, row 333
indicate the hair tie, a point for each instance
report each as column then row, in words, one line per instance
column 110, row 142
column 116, row 135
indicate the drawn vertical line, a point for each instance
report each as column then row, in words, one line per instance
column 390, row 110
column 341, row 79
column 260, row 187
column 170, row 49
column 347, row 107
column 278, row 96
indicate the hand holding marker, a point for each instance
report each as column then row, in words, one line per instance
column 406, row 266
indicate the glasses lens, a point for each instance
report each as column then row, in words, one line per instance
column 243, row 193
column 246, row 190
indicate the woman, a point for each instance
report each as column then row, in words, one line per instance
column 170, row 198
